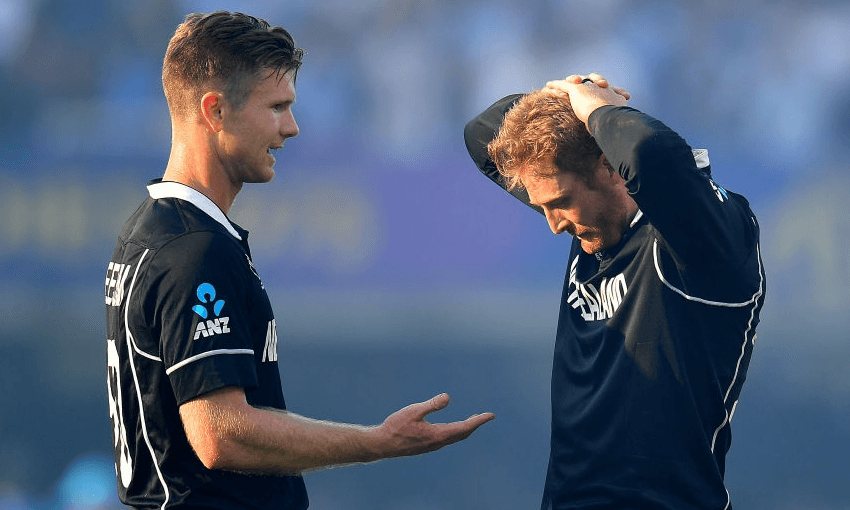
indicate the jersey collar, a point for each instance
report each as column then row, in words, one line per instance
column 169, row 189
column 638, row 216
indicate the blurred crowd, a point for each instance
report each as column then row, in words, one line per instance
column 382, row 99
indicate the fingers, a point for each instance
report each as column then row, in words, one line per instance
column 571, row 83
column 406, row 432
column 622, row 92
column 458, row 431
column 476, row 420
column 438, row 402
column 578, row 79
column 422, row 409
column 598, row 80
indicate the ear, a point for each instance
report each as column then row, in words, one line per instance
column 603, row 161
column 211, row 111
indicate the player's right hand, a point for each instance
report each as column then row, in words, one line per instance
column 406, row 432
column 588, row 92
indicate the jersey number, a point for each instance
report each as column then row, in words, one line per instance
column 124, row 464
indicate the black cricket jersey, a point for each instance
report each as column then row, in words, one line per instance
column 186, row 314
column 655, row 334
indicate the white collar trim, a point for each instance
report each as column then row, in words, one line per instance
column 701, row 158
column 169, row 189
column 637, row 218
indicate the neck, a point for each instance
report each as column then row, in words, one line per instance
column 195, row 166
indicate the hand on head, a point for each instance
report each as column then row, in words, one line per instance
column 588, row 92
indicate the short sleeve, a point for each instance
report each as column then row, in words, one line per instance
column 197, row 286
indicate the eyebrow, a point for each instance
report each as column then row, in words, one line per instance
column 561, row 198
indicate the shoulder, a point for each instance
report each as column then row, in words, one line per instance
column 186, row 249
column 169, row 223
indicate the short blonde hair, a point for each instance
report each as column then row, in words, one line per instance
column 541, row 128
column 225, row 51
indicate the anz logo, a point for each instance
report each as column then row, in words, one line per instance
column 209, row 326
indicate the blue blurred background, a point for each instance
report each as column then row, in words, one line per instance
column 398, row 272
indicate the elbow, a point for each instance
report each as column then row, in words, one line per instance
column 214, row 458
column 216, row 427
column 217, row 452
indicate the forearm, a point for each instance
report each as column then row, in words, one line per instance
column 648, row 155
column 479, row 132
column 289, row 443
column 693, row 216
column 227, row 433
column 252, row 440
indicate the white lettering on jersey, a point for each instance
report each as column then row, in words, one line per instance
column 593, row 304
column 270, row 351
column 124, row 467
column 212, row 327
column 116, row 275
column 720, row 192
column 254, row 270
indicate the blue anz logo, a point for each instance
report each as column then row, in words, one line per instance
column 206, row 294
column 209, row 327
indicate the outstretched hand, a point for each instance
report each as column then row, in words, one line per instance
column 588, row 92
column 406, row 432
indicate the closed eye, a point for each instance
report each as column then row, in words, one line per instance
column 559, row 203
column 556, row 203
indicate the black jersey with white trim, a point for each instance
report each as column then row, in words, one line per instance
column 655, row 334
column 186, row 314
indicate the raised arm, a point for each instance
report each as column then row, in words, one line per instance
column 228, row 433
column 480, row 131
column 670, row 182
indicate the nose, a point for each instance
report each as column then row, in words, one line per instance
column 557, row 223
column 288, row 126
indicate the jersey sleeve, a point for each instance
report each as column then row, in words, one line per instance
column 480, row 131
column 697, row 218
column 197, row 305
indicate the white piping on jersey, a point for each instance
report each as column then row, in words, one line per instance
column 143, row 353
column 752, row 301
column 169, row 189
column 730, row 413
column 697, row 299
column 207, row 355
column 131, row 344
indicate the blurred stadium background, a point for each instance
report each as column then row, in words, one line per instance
column 397, row 271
